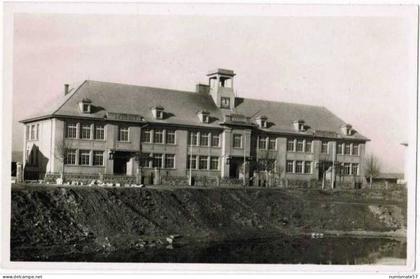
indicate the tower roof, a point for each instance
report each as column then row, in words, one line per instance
column 220, row 71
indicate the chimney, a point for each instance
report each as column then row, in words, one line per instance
column 202, row 88
column 66, row 89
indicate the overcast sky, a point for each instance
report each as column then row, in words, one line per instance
column 357, row 67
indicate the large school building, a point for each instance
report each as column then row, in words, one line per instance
column 119, row 129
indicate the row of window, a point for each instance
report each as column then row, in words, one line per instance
column 349, row 169
column 32, row 132
column 85, row 131
column 266, row 143
column 299, row 145
column 196, row 162
column 84, row 157
column 204, row 139
column 164, row 136
column 158, row 160
column 348, row 149
column 299, row 167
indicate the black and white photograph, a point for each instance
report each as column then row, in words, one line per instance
column 219, row 134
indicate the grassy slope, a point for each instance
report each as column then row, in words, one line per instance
column 46, row 216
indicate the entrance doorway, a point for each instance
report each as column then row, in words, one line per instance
column 120, row 162
column 323, row 167
column 235, row 165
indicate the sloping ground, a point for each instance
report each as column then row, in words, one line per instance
column 117, row 217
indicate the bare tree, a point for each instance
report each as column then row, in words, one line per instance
column 372, row 167
column 60, row 152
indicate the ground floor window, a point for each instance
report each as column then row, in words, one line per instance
column 192, row 162
column 289, row 166
column 84, row 157
column 98, row 158
column 346, row 168
column 355, row 169
column 299, row 167
column 202, row 164
column 307, row 168
column 214, row 163
column 70, row 157
column 170, row 161
column 157, row 160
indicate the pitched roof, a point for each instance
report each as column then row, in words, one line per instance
column 182, row 107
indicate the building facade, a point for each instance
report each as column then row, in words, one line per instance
column 109, row 128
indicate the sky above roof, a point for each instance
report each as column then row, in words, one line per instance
column 354, row 66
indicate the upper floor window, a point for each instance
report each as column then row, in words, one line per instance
column 299, row 145
column 146, row 135
column 158, row 136
column 99, row 132
column 262, row 121
column 37, row 132
column 347, row 149
column 85, row 105
column 170, row 136
column 123, row 134
column 324, row 147
column 272, row 143
column 237, row 141
column 85, row 131
column 225, row 102
column 193, row 138
column 355, row 150
column 215, row 139
column 28, row 127
column 71, row 130
column 32, row 132
column 157, row 112
column 290, row 145
column 308, row 146
column 339, row 148
column 204, row 139
column 262, row 142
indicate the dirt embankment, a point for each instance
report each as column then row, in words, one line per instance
column 109, row 217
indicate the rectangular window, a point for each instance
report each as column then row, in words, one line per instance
column 145, row 160
column 204, row 139
column 308, row 146
column 346, row 168
column 299, row 167
column 225, row 102
column 158, row 136
column 237, row 141
column 27, row 132
column 32, row 132
column 193, row 138
column 85, row 131
column 355, row 169
column 347, row 149
column 339, row 148
column 71, row 130
column 98, row 158
column 214, row 163
column 202, row 164
column 146, row 135
column 37, row 131
column 193, row 160
column 324, row 147
column 289, row 166
column 70, row 157
column 170, row 161
column 84, row 157
column 299, row 146
column 272, row 143
column 307, row 168
column 355, row 150
column 290, row 145
column 123, row 134
column 157, row 160
column 215, row 139
column 170, row 136
column 99, row 132
column 262, row 142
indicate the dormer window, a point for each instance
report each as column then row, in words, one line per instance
column 158, row 112
column 347, row 129
column 225, row 102
column 85, row 105
column 299, row 125
column 262, row 121
column 204, row 116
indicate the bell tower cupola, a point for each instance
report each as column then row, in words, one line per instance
column 221, row 88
